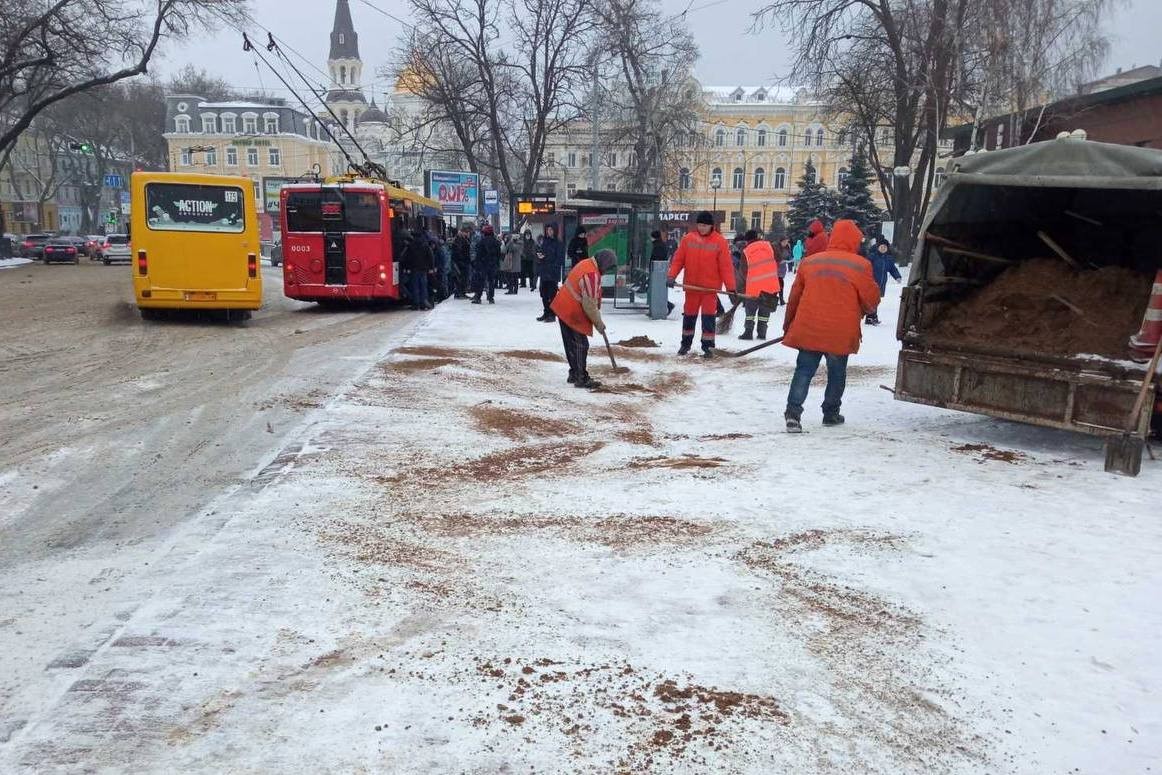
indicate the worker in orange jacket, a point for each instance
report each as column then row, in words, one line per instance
column 817, row 239
column 762, row 276
column 704, row 258
column 577, row 306
column 832, row 293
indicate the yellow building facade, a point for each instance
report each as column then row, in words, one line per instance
column 751, row 150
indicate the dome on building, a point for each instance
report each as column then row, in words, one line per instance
column 373, row 115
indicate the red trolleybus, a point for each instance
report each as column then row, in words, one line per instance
column 338, row 238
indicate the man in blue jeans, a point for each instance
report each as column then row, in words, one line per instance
column 833, row 291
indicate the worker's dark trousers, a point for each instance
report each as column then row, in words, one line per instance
column 548, row 293
column 576, row 352
column 757, row 313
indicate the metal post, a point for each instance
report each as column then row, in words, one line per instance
column 742, row 201
column 593, row 128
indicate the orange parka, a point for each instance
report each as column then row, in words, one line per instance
column 817, row 240
column 584, row 281
column 705, row 261
column 832, row 292
column 762, row 268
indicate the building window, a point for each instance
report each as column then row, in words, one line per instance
column 275, row 156
column 229, row 123
column 841, row 138
column 684, row 179
column 252, row 157
column 182, row 124
column 210, row 124
column 756, row 220
column 884, row 139
column 185, row 160
column 342, row 74
column 250, row 125
column 612, row 163
column 740, row 137
column 760, row 177
column 212, row 157
column 572, row 189
column 341, row 36
column 782, row 137
column 585, row 159
column 812, row 173
column 819, row 137
column 1000, row 136
column 343, row 117
column 716, row 177
column 231, row 156
column 573, row 159
column 552, row 158
column 720, row 138
column 808, row 137
column 780, row 178
column 762, row 138
column 272, row 125
column 940, row 176
column 736, row 179
column 736, row 220
column 841, row 177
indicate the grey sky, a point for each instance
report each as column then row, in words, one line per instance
column 730, row 54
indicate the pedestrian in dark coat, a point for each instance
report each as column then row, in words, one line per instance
column 511, row 265
column 462, row 263
column 659, row 250
column 488, row 255
column 528, row 261
column 578, row 247
column 883, row 264
column 552, row 257
column 419, row 262
column 783, row 256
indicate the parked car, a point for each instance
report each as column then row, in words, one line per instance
column 32, row 245
column 63, row 249
column 116, row 248
column 93, row 245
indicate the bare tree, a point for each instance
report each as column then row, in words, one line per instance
column 862, row 51
column 503, row 75
column 53, row 49
column 652, row 102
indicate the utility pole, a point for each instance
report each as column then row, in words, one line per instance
column 594, row 139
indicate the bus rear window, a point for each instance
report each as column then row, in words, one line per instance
column 188, row 207
column 360, row 212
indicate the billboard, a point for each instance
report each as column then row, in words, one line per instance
column 270, row 192
column 457, row 192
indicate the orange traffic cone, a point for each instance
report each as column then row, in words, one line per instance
column 1144, row 342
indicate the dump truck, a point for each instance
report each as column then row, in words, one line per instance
column 1033, row 271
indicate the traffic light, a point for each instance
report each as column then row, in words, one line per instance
column 82, row 147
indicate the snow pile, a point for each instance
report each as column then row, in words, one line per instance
column 12, row 263
column 473, row 566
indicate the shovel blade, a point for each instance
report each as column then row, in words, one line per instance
column 1124, row 455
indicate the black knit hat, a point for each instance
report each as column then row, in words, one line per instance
column 705, row 217
column 752, row 235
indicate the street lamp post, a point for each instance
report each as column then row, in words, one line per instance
column 715, row 184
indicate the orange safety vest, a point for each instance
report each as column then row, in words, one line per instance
column 583, row 280
column 762, row 270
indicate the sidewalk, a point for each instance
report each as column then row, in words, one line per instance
column 467, row 565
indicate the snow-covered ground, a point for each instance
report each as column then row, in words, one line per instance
column 12, row 263
column 463, row 564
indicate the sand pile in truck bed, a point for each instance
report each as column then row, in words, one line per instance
column 1017, row 311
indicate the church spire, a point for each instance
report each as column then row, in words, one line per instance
column 344, row 39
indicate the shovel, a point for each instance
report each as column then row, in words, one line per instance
column 764, row 298
column 756, row 348
column 609, row 349
column 1124, row 453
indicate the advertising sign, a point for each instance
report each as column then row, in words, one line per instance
column 270, row 191
column 125, row 203
column 457, row 192
column 114, row 181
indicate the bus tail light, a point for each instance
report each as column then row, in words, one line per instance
column 142, row 263
column 252, row 265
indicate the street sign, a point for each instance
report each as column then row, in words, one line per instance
column 111, row 218
column 491, row 202
column 114, row 181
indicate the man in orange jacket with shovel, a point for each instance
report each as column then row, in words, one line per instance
column 704, row 257
column 832, row 293
column 577, row 306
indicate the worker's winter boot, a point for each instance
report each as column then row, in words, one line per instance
column 748, row 331
column 832, row 419
column 707, row 352
column 794, row 425
column 684, row 349
column 762, row 330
